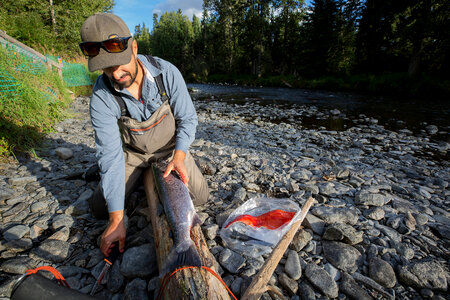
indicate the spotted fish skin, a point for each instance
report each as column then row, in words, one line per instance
column 181, row 215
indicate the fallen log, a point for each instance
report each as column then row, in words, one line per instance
column 259, row 283
column 190, row 283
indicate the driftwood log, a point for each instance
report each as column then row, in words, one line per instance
column 194, row 283
column 259, row 283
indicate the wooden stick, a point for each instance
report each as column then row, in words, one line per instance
column 259, row 283
column 188, row 283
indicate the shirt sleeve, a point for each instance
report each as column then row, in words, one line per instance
column 104, row 114
column 182, row 107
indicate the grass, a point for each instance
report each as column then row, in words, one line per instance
column 35, row 104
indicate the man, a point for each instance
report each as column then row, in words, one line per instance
column 141, row 112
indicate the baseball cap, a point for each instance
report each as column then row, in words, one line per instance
column 100, row 27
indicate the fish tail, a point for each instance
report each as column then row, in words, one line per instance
column 182, row 255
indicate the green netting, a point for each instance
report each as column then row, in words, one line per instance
column 75, row 74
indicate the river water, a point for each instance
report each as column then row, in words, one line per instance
column 393, row 113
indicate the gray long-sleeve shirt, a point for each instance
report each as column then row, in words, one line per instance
column 105, row 112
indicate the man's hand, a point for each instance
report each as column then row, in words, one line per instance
column 177, row 164
column 113, row 233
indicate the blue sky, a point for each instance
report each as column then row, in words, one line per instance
column 135, row 12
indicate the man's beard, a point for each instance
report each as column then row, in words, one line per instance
column 127, row 84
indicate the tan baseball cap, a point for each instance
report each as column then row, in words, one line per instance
column 101, row 27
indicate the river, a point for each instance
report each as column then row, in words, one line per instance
column 393, row 113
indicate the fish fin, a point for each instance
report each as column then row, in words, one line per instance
column 178, row 258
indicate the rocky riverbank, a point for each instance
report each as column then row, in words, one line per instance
column 380, row 225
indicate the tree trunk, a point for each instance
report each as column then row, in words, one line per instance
column 52, row 13
column 192, row 283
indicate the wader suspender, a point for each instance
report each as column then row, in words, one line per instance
column 118, row 97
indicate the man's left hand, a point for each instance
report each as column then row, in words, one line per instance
column 177, row 164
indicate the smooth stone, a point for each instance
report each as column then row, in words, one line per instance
column 62, row 220
column 334, row 273
column 422, row 219
column 15, row 210
column 136, row 290
column 335, row 215
column 236, row 286
column 344, row 232
column 78, row 208
column 18, row 265
column 306, row 291
column 300, row 240
column 16, row 232
column 19, row 245
column 321, row 280
column 39, row 206
column 382, row 272
column 231, row 261
column 52, row 250
column 20, row 181
column 62, row 234
column 292, row 266
column 6, row 193
column 351, row 288
column 210, row 231
column 289, row 284
column 423, row 274
column 389, row 232
column 370, row 199
column 375, row 213
column 342, row 256
column 64, row 153
column 115, row 279
column 317, row 224
column 139, row 261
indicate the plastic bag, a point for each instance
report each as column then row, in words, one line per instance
column 255, row 227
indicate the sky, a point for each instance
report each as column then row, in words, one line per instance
column 135, row 12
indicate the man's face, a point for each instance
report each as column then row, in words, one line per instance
column 123, row 76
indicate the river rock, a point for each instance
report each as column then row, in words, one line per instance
column 16, row 232
column 349, row 287
column 18, row 265
column 64, row 153
column 335, row 215
column 321, row 280
column 382, row 272
column 424, row 274
column 374, row 213
column 231, row 260
column 292, row 266
column 139, row 261
column 370, row 199
column 317, row 225
column 52, row 250
column 300, row 240
column 115, row 278
column 136, row 290
column 19, row 245
column 289, row 284
column 62, row 220
column 344, row 232
column 342, row 256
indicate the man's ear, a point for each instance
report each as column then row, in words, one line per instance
column 134, row 46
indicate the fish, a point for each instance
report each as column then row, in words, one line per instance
column 270, row 220
column 181, row 216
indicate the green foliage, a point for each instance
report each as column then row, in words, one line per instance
column 30, row 110
column 173, row 38
column 49, row 25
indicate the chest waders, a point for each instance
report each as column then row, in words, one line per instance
column 146, row 142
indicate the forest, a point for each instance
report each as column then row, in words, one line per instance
column 350, row 45
column 398, row 46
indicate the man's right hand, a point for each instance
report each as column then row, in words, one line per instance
column 115, row 232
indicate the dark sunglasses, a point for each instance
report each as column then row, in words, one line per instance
column 114, row 45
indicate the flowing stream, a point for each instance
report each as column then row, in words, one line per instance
column 346, row 108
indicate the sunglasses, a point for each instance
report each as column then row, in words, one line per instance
column 114, row 45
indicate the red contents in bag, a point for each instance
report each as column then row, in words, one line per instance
column 270, row 220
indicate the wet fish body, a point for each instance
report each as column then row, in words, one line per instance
column 181, row 216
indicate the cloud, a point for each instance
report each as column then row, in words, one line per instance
column 188, row 7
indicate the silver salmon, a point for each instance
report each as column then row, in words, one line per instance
column 181, row 216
